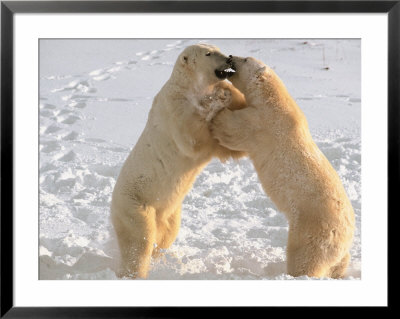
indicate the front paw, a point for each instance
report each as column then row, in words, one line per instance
column 223, row 94
column 210, row 105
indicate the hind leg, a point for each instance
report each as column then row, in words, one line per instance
column 167, row 230
column 305, row 255
column 136, row 234
column 303, row 261
column 339, row 270
column 315, row 255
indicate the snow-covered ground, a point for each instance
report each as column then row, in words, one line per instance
column 94, row 99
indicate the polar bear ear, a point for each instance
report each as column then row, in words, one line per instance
column 184, row 59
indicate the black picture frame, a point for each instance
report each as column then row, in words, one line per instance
column 9, row 8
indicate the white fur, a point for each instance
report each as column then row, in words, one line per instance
column 293, row 171
column 174, row 147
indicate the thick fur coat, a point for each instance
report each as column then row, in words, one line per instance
column 293, row 171
column 174, row 147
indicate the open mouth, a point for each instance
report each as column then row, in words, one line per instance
column 226, row 73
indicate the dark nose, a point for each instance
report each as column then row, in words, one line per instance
column 229, row 60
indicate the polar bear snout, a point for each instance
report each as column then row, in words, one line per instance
column 220, row 73
column 246, row 69
column 226, row 70
column 232, row 68
column 236, row 61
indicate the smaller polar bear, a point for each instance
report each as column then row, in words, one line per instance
column 293, row 171
column 172, row 150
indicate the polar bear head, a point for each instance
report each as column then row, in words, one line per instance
column 204, row 63
column 247, row 71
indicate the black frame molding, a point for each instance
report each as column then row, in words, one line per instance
column 9, row 8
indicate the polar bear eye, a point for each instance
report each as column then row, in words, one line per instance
column 208, row 54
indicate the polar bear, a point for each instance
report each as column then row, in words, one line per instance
column 172, row 150
column 293, row 171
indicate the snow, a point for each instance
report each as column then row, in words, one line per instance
column 94, row 99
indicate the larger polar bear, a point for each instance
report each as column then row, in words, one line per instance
column 293, row 171
column 173, row 149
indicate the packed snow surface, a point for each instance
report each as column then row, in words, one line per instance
column 95, row 96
